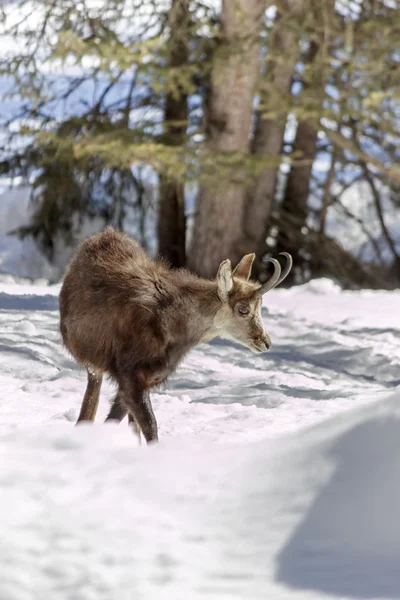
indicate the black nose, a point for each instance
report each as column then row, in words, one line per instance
column 267, row 341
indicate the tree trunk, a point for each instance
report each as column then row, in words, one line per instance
column 171, row 221
column 171, row 215
column 294, row 207
column 219, row 218
column 268, row 136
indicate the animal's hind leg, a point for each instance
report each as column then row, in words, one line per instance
column 118, row 411
column 91, row 397
column 135, row 426
column 137, row 400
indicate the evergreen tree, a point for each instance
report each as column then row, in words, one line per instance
column 245, row 102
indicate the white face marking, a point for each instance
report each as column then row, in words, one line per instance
column 258, row 318
column 247, row 330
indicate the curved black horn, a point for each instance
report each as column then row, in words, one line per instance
column 287, row 269
column 273, row 281
column 277, row 277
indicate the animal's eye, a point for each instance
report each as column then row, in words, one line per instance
column 243, row 310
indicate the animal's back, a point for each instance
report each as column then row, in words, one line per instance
column 108, row 282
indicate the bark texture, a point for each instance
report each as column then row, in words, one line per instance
column 294, row 209
column 171, row 217
column 269, row 132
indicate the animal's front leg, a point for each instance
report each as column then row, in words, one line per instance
column 137, row 401
column 91, row 397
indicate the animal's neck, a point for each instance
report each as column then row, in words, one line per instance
column 200, row 297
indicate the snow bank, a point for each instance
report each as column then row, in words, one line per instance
column 85, row 515
column 347, row 542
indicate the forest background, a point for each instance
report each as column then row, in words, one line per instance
column 209, row 130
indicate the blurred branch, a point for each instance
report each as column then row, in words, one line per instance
column 363, row 228
column 327, row 196
column 347, row 144
column 379, row 211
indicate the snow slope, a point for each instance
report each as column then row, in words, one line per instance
column 253, row 491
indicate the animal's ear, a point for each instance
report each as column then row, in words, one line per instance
column 224, row 279
column 243, row 269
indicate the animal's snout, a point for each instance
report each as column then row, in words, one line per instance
column 267, row 342
column 263, row 343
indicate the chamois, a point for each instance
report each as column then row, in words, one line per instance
column 133, row 318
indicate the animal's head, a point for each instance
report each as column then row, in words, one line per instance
column 239, row 317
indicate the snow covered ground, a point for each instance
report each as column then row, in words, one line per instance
column 254, row 490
